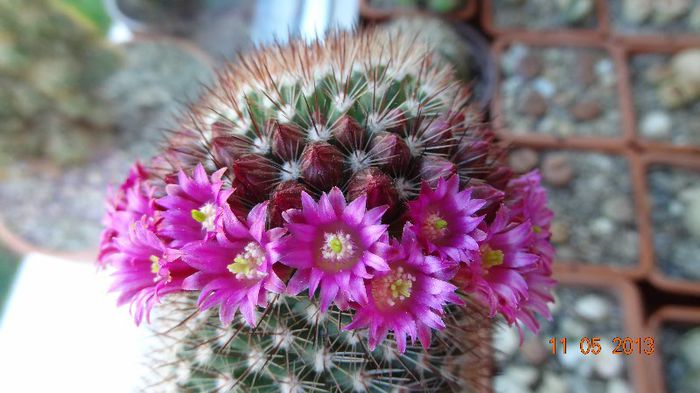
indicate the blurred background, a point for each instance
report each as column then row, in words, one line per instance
column 602, row 96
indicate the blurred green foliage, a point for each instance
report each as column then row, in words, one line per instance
column 93, row 10
column 52, row 65
column 8, row 267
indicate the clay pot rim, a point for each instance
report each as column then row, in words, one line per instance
column 645, row 251
column 564, row 40
column 599, row 31
column 656, row 276
column 22, row 247
column 629, row 51
column 371, row 13
column 630, row 304
column 684, row 315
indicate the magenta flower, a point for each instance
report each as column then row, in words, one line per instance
column 497, row 269
column 445, row 219
column 407, row 299
column 528, row 201
column 234, row 269
column 144, row 270
column 191, row 206
column 332, row 245
column 540, row 285
column 131, row 202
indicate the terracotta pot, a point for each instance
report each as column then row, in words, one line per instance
column 630, row 304
column 678, row 315
column 627, row 86
column 374, row 14
column 645, row 249
column 656, row 276
column 599, row 31
column 563, row 40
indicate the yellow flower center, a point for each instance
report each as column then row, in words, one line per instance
column 435, row 227
column 205, row 216
column 537, row 229
column 491, row 257
column 245, row 264
column 155, row 266
column 337, row 247
column 401, row 288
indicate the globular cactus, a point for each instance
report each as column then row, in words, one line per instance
column 339, row 201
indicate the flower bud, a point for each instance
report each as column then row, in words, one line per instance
column 437, row 136
column 432, row 168
column 379, row 188
column 286, row 196
column 391, row 152
column 322, row 166
column 255, row 175
column 287, row 141
column 348, row 132
column 499, row 177
column 225, row 149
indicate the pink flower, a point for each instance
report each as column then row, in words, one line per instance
column 332, row 244
column 131, row 202
column 445, row 219
column 191, row 206
column 144, row 269
column 540, row 285
column 234, row 269
column 497, row 269
column 407, row 299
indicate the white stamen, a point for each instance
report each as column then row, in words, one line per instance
column 337, row 246
column 209, row 212
column 245, row 265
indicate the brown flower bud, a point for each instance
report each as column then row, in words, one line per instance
column 379, row 189
column 287, row 141
column 437, row 136
column 255, row 175
column 472, row 156
column 348, row 132
column 432, row 168
column 391, row 152
column 286, row 196
column 322, row 166
column 499, row 177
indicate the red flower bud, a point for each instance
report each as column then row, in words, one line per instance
column 391, row 152
column 287, row 141
column 499, row 177
column 286, row 196
column 437, row 136
column 226, row 148
column 432, row 168
column 255, row 176
column 349, row 134
column 322, row 166
column 379, row 188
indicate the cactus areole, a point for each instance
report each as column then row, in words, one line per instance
column 329, row 217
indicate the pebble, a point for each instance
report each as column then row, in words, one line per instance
column 602, row 226
column 668, row 10
column 691, row 218
column 619, row 209
column 545, row 87
column 578, row 10
column 534, row 351
column 618, row 386
column 637, row 11
column 523, row 160
column 530, row 66
column 560, row 232
column 690, row 348
column 607, row 364
column 557, row 169
column 694, row 18
column 533, row 104
column 506, row 342
column 552, row 383
column 656, row 124
column 586, row 110
column 592, row 307
column 570, row 327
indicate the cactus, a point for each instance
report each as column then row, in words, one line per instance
column 335, row 165
column 51, row 66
